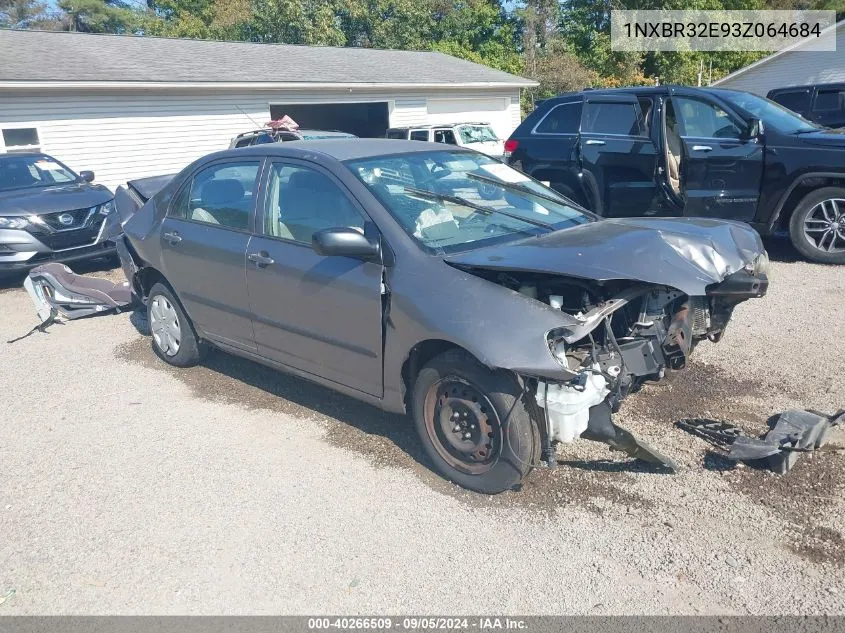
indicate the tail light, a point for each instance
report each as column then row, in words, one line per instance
column 510, row 146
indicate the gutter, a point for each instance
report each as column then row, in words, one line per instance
column 251, row 86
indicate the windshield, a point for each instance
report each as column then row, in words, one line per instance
column 19, row 171
column 771, row 113
column 451, row 201
column 476, row 134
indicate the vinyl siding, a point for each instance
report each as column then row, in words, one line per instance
column 794, row 68
column 126, row 135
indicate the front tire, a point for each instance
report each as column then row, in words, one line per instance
column 174, row 339
column 476, row 425
column 817, row 226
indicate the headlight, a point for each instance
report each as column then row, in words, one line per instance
column 107, row 208
column 759, row 266
column 13, row 223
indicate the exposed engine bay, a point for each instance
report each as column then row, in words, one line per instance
column 627, row 334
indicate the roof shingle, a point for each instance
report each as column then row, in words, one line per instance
column 81, row 57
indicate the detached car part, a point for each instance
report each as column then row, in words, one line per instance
column 794, row 432
column 61, row 295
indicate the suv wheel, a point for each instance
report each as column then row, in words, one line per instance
column 817, row 227
column 475, row 424
column 174, row 339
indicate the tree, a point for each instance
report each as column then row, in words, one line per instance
column 24, row 14
column 99, row 16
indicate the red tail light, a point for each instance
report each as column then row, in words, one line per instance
column 511, row 145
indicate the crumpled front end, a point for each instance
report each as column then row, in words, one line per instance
column 620, row 335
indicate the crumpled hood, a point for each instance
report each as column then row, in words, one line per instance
column 688, row 254
column 37, row 200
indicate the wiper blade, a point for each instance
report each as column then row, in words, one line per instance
column 445, row 197
column 515, row 187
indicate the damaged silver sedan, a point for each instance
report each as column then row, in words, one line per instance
column 439, row 282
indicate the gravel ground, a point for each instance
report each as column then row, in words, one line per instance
column 130, row 487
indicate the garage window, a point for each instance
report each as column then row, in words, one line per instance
column 21, row 139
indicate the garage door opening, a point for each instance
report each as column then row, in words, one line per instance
column 368, row 120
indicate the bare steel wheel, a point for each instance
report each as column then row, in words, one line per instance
column 174, row 338
column 824, row 225
column 478, row 426
column 817, row 226
column 463, row 425
column 164, row 324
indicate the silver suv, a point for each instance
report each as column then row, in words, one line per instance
column 477, row 136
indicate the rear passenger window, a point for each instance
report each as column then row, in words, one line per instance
column 561, row 119
column 419, row 135
column 797, row 100
column 827, row 100
column 222, row 195
column 445, row 136
column 397, row 134
column 612, row 118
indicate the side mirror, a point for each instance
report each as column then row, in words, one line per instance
column 345, row 242
column 754, row 129
column 87, row 176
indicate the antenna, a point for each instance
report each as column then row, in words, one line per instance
column 248, row 117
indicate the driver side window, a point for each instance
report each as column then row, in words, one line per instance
column 302, row 201
column 704, row 120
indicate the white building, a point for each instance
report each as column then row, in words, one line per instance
column 792, row 66
column 127, row 107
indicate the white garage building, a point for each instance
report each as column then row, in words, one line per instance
column 127, row 107
column 796, row 65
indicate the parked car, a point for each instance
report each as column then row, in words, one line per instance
column 477, row 136
column 821, row 103
column 706, row 152
column 49, row 213
column 438, row 281
column 270, row 135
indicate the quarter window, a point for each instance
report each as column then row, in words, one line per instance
column 222, row 194
column 704, row 120
column 21, row 139
column 302, row 201
column 613, row 118
column 562, row 119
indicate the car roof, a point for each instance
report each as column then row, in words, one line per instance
column 430, row 126
column 835, row 84
column 341, row 148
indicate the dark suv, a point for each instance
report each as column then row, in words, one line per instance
column 822, row 103
column 677, row 151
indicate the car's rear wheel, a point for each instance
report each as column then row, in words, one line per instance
column 817, row 226
column 174, row 339
column 477, row 426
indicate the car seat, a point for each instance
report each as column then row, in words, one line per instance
column 223, row 202
column 673, row 149
column 311, row 202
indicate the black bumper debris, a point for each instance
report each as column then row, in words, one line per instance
column 794, row 432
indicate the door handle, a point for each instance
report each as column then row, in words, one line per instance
column 593, row 141
column 702, row 148
column 172, row 236
column 261, row 259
